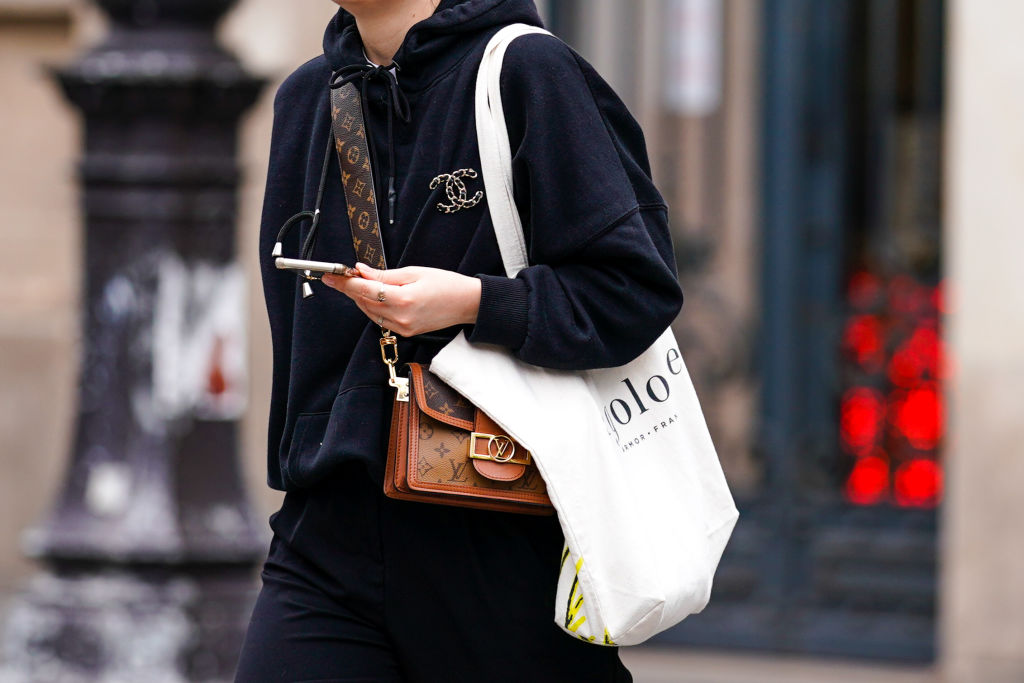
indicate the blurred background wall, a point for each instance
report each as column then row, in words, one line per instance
column 38, row 320
column 40, row 271
column 982, row 594
column 844, row 179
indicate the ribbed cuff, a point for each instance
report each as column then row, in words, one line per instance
column 502, row 317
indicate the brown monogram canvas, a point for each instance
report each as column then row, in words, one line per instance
column 429, row 461
column 356, row 175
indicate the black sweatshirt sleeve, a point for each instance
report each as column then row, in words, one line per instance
column 604, row 283
column 282, row 199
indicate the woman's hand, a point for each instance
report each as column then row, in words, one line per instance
column 412, row 300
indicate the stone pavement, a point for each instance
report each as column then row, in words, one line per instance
column 651, row 665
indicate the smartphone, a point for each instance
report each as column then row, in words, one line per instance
column 315, row 267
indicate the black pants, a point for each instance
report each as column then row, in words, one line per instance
column 359, row 587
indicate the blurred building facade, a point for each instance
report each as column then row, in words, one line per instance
column 845, row 214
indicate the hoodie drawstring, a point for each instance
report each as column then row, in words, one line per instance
column 307, row 247
column 397, row 105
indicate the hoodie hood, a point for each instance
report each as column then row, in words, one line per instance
column 434, row 45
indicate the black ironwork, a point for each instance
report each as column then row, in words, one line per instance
column 151, row 544
column 807, row 570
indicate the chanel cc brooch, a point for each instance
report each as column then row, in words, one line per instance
column 456, row 191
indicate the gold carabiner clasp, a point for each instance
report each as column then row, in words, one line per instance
column 401, row 384
column 388, row 341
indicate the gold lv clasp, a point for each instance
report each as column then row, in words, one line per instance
column 500, row 448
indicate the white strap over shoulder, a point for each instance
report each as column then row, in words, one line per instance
column 495, row 152
column 644, row 531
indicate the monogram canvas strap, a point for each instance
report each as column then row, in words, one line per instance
column 357, row 178
column 357, row 174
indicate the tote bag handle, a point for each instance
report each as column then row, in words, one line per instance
column 495, row 152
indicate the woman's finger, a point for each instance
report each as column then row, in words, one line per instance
column 382, row 319
column 355, row 288
column 397, row 276
column 374, row 315
column 371, row 290
column 335, row 281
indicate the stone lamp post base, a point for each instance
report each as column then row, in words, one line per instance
column 151, row 546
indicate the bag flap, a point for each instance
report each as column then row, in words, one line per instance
column 438, row 400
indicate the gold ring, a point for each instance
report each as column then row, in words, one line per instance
column 381, row 296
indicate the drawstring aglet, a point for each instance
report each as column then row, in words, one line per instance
column 391, row 199
column 307, row 289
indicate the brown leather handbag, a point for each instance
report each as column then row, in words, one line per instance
column 445, row 450
column 441, row 449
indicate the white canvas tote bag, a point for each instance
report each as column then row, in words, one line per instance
column 625, row 452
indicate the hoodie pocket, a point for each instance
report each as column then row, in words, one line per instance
column 307, row 438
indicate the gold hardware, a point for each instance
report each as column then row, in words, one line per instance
column 500, row 448
column 388, row 340
column 401, row 384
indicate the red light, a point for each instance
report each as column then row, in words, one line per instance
column 864, row 290
column 939, row 300
column 892, row 341
column 926, row 345
column 905, row 367
column 921, row 354
column 860, row 417
column 863, row 339
column 868, row 481
column 906, row 296
column 918, row 483
column 919, row 417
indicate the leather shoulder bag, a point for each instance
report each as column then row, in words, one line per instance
column 442, row 449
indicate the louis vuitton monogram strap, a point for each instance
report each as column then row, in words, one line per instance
column 357, row 178
column 357, row 174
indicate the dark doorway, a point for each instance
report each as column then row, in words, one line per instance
column 835, row 552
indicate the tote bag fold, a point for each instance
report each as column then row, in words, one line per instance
column 625, row 452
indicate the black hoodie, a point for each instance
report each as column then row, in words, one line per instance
column 604, row 286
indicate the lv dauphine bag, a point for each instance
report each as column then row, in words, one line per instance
column 442, row 449
column 445, row 450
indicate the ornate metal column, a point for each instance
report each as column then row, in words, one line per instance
column 151, row 543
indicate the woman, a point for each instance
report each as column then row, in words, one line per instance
column 357, row 586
